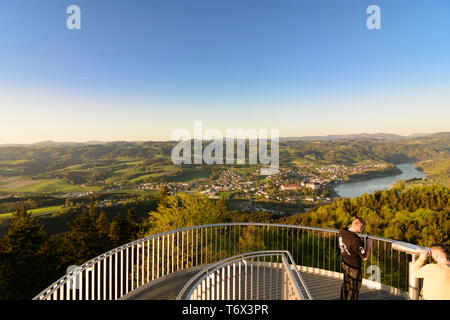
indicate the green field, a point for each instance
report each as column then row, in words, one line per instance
column 34, row 212
column 190, row 175
column 24, row 184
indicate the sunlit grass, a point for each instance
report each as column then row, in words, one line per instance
column 34, row 212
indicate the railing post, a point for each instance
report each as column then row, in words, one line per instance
column 413, row 292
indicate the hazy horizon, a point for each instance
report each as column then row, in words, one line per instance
column 329, row 136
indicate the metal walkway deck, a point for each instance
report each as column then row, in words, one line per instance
column 322, row 287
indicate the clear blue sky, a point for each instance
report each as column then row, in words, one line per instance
column 138, row 69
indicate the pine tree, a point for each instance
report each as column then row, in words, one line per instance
column 222, row 208
column 27, row 264
column 133, row 222
column 83, row 241
column 102, row 223
column 93, row 208
column 163, row 193
column 119, row 230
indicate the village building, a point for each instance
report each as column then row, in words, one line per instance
column 289, row 187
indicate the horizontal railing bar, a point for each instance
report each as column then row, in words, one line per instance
column 407, row 247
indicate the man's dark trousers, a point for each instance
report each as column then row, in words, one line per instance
column 352, row 282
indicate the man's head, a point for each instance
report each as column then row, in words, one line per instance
column 357, row 225
column 440, row 253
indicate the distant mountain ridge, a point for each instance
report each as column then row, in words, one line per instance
column 358, row 136
column 369, row 136
column 55, row 143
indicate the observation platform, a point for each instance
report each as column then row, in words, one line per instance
column 283, row 261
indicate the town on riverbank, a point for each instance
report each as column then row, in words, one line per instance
column 41, row 177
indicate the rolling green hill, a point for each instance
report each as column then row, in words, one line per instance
column 437, row 170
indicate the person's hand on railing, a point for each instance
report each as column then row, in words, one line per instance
column 424, row 253
column 367, row 249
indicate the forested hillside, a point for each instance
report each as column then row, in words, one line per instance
column 130, row 162
column 419, row 215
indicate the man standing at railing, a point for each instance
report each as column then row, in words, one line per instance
column 436, row 277
column 353, row 252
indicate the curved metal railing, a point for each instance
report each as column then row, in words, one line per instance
column 260, row 275
column 119, row 271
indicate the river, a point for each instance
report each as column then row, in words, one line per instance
column 355, row 189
